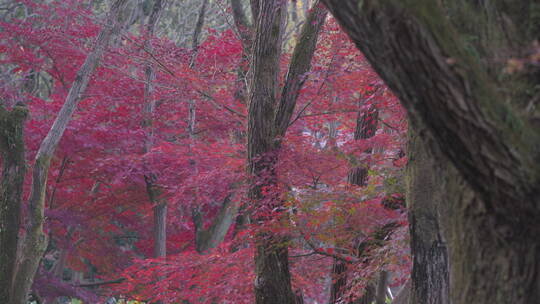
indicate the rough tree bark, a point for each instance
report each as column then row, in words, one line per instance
column 425, row 200
column 13, row 171
column 273, row 280
column 35, row 241
column 452, row 64
column 268, row 119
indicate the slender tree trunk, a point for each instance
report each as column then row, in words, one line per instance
column 339, row 280
column 160, row 207
column 197, row 32
column 35, row 242
column 382, row 283
column 366, row 127
column 246, row 33
column 465, row 98
column 206, row 239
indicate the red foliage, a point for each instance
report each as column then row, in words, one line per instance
column 98, row 207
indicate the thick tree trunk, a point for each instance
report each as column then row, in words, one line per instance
column 35, row 241
column 269, row 118
column 11, row 188
column 425, row 198
column 455, row 87
column 273, row 280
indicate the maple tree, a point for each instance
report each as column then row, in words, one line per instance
column 165, row 125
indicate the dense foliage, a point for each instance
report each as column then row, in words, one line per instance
column 99, row 214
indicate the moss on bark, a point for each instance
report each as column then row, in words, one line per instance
column 12, row 149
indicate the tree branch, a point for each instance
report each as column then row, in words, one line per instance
column 96, row 284
column 299, row 67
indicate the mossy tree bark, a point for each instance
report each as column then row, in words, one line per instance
column 268, row 119
column 453, row 66
column 35, row 241
column 12, row 150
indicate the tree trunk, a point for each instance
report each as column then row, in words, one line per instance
column 366, row 127
column 160, row 207
column 206, row 239
column 425, row 198
column 339, row 280
column 246, row 33
column 382, row 283
column 160, row 230
column 273, row 280
column 447, row 62
column 268, row 119
column 13, row 172
column 35, row 241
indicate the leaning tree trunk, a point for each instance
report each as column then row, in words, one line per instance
column 268, row 119
column 35, row 241
column 467, row 72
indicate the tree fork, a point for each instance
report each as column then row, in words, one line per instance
column 268, row 119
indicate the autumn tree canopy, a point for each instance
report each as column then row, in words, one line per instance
column 234, row 151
